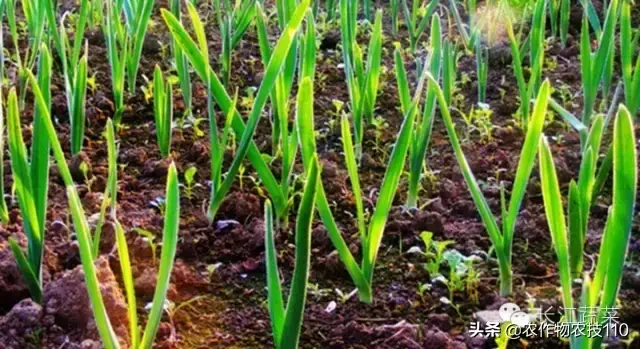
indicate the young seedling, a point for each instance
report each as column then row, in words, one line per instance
column 110, row 195
column 434, row 252
column 394, row 17
column 594, row 65
column 331, row 9
column 536, row 57
column 482, row 69
column 284, row 140
column 36, row 15
column 478, row 120
column 137, row 14
column 95, row 17
column 31, row 177
column 417, row 18
column 344, row 297
column 81, row 225
column 449, row 69
column 188, row 182
column 362, row 79
column 150, row 239
column 463, row 28
column 630, row 71
column 163, row 111
column 124, row 39
column 169, row 246
column 599, row 291
column 117, row 51
column 457, row 271
column 4, row 212
column 424, row 119
column 75, row 76
column 501, row 238
column 197, row 53
column 554, row 17
column 423, row 288
column 182, row 65
column 591, row 179
column 233, row 22
column 286, row 320
column 565, row 13
column 371, row 232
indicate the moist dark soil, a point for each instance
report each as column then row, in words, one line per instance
column 218, row 288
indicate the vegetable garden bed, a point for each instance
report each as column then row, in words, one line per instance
column 400, row 254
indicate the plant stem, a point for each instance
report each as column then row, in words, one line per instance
column 364, row 293
column 412, row 197
column 506, row 279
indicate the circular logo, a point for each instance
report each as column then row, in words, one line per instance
column 508, row 309
column 520, row 318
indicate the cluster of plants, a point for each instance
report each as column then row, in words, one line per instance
column 460, row 273
column 425, row 90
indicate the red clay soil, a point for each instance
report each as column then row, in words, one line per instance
column 218, row 284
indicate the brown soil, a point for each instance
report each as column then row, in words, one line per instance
column 218, row 283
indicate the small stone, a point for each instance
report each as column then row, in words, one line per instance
column 486, row 316
column 429, row 221
column 80, row 167
column 330, row 40
column 151, row 44
column 441, row 321
column 136, row 156
column 435, row 339
column 90, row 344
column 11, row 282
column 535, row 267
column 19, row 324
column 67, row 301
column 145, row 285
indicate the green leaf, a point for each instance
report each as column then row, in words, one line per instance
column 497, row 240
column 78, row 110
column 127, row 279
column 352, row 169
column 576, row 238
column 111, row 190
column 297, row 296
column 308, row 53
column 22, row 179
column 271, row 72
column 424, row 124
column 518, row 72
column 58, row 154
column 527, row 160
column 556, row 219
column 140, row 23
column 274, row 288
column 40, row 155
column 247, row 146
column 388, row 190
column 306, row 138
column 568, row 117
column 30, row 278
column 245, row 16
column 108, row 336
column 478, row 198
column 402, row 81
column 163, row 111
column 616, row 237
column 169, row 246
column 374, row 58
column 4, row 212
